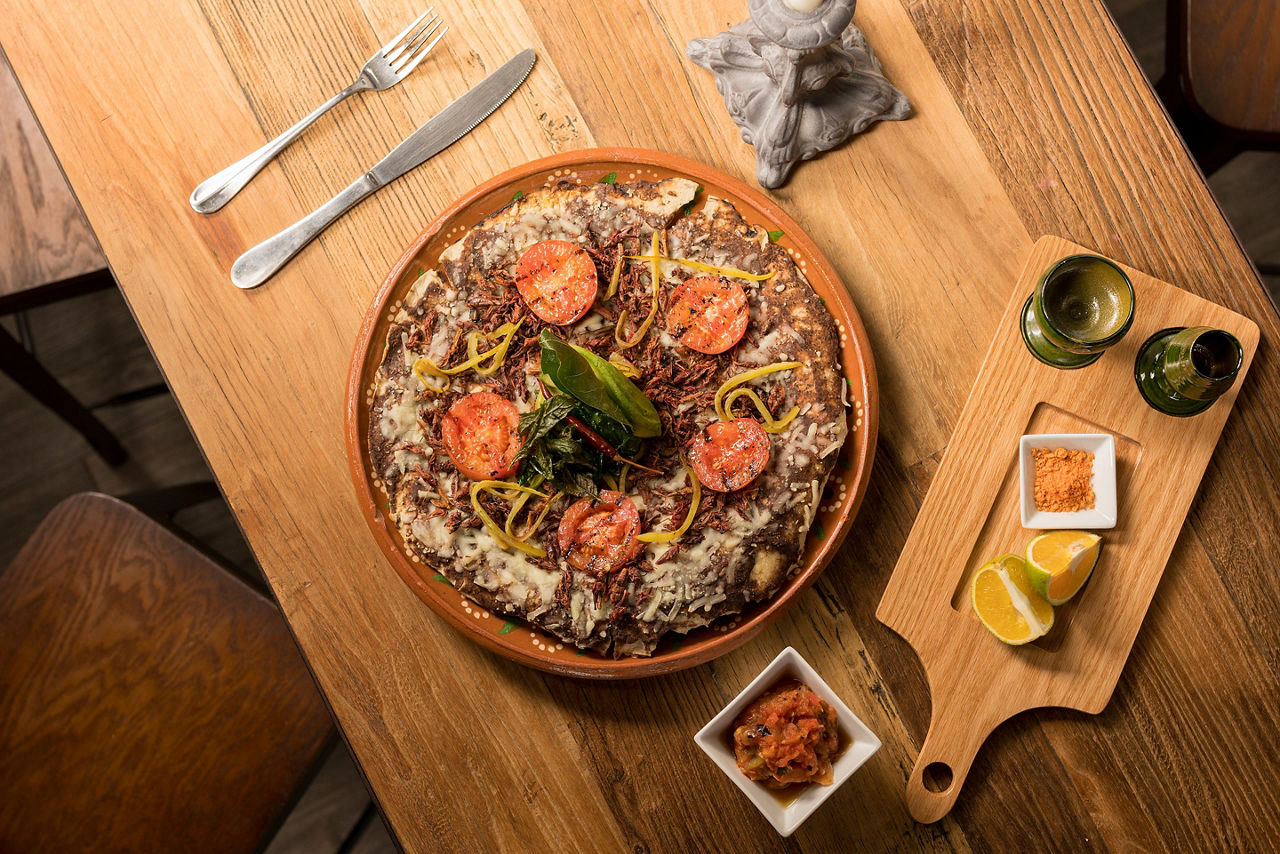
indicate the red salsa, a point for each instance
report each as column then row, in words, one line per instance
column 787, row 736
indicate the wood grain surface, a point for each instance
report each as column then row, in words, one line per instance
column 1031, row 118
column 971, row 516
column 44, row 237
column 149, row 701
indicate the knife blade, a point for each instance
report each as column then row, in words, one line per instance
column 439, row 132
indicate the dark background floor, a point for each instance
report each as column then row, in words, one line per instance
column 93, row 346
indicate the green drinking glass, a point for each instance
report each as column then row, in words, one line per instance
column 1182, row 370
column 1082, row 305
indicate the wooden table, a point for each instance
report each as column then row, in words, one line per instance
column 1032, row 118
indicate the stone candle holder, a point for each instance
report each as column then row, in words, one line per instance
column 798, row 78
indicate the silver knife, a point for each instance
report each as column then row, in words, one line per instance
column 442, row 130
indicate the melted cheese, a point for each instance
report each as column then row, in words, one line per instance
column 400, row 420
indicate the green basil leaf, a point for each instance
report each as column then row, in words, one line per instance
column 615, row 433
column 594, row 381
column 572, row 374
column 563, row 446
column 578, row 484
column 539, row 422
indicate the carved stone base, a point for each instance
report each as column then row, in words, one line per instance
column 793, row 104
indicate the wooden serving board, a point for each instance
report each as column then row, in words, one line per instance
column 970, row 516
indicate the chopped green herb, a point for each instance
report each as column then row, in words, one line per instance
column 774, row 235
column 506, row 628
column 610, row 178
column 518, row 196
column 688, row 209
column 439, row 577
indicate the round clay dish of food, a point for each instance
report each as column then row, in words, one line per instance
column 515, row 639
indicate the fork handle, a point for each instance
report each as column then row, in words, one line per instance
column 264, row 260
column 217, row 190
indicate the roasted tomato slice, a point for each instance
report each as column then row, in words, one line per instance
column 557, row 279
column 728, row 455
column 600, row 535
column 480, row 436
column 708, row 313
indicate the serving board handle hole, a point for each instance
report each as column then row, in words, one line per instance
column 944, row 761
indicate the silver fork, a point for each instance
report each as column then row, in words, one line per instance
column 387, row 67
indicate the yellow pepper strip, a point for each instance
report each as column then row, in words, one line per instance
column 745, row 377
column 613, row 280
column 711, row 268
column 428, row 373
column 624, row 367
column 623, row 343
column 771, row 425
column 498, row 354
column 499, row 535
column 520, row 499
column 611, row 482
column 659, row 537
column 424, row 367
column 528, row 531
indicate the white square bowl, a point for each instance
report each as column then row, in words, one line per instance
column 1103, row 448
column 717, row 735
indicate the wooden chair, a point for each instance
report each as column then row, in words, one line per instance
column 47, row 253
column 1222, row 77
column 149, row 701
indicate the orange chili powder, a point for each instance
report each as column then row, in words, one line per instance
column 1063, row 481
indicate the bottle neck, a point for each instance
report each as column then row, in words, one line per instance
column 1201, row 363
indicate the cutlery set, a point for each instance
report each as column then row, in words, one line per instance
column 387, row 67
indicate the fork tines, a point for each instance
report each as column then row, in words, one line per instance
column 413, row 48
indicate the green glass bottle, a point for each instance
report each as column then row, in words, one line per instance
column 1182, row 370
column 1082, row 305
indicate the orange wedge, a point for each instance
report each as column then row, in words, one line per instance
column 1060, row 562
column 1002, row 598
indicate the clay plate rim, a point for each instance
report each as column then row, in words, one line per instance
column 853, row 468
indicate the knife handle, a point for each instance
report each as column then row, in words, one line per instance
column 264, row 260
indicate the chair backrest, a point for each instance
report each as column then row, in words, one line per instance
column 1231, row 51
column 149, row 701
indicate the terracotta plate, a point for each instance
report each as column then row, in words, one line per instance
column 515, row 639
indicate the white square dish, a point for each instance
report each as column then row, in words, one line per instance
column 716, row 737
column 1103, row 448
